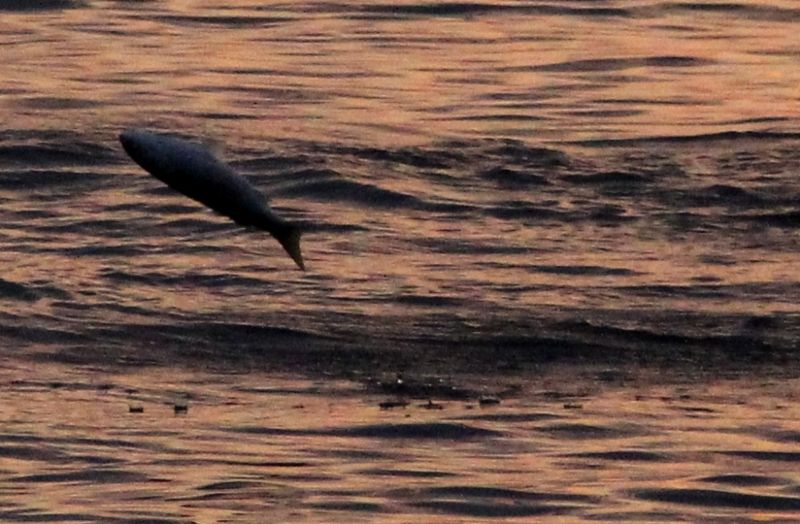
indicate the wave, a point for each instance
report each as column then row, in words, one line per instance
column 722, row 136
column 368, row 195
column 461, row 9
column 734, row 9
column 29, row 292
column 513, row 178
column 38, row 179
column 39, row 5
column 612, row 64
column 70, row 154
column 426, row 431
column 608, row 178
column 719, row 498
column 221, row 20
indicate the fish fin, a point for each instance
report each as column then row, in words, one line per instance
column 291, row 243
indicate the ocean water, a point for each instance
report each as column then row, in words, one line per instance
column 486, row 188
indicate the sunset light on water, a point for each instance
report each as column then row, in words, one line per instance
column 583, row 213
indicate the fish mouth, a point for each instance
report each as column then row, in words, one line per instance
column 132, row 143
column 128, row 141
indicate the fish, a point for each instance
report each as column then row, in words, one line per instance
column 190, row 168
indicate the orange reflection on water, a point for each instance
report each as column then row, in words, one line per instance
column 253, row 446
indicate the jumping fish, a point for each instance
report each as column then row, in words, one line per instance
column 194, row 171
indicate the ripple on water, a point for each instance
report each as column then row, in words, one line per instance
column 624, row 455
column 743, row 480
column 581, row 431
column 423, row 430
column 486, row 501
column 719, row 498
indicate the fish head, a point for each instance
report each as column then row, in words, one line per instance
column 143, row 147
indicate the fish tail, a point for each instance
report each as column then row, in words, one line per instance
column 290, row 240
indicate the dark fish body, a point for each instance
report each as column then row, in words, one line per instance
column 194, row 171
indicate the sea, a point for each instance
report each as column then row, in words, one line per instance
column 551, row 254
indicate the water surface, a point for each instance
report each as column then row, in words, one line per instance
column 487, row 188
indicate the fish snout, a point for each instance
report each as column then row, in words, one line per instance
column 130, row 143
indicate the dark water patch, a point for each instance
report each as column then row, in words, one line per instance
column 710, row 138
column 718, row 498
column 585, row 270
column 461, row 9
column 39, row 5
column 329, row 227
column 365, row 195
column 421, row 387
column 39, row 179
column 503, row 493
column 15, row 291
column 191, row 279
column 101, row 250
column 108, row 227
column 303, row 73
column 471, row 247
column 578, row 431
column 738, row 10
column 349, row 191
column 238, row 464
column 347, row 505
column 198, row 225
column 512, row 417
column 406, row 473
column 603, row 114
column 743, row 480
column 32, row 334
column 359, row 454
column 229, row 485
column 421, row 431
column 54, row 103
column 480, row 501
column 725, row 194
column 731, row 344
column 605, row 214
column 696, row 409
column 275, row 95
column 32, row 515
column 491, row 510
column 427, row 300
column 39, row 453
column 259, row 162
column 224, row 115
column 792, row 437
column 516, row 152
column 210, row 333
column 74, row 153
column 777, row 456
column 703, row 291
column 623, row 455
column 94, row 476
column 432, row 430
column 526, row 211
column 162, row 209
column 788, row 219
column 292, row 177
column 613, row 64
column 608, row 214
column 410, row 156
column 221, row 20
column 608, row 178
column 506, row 177
column 493, row 117
column 69, row 441
column 144, row 520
